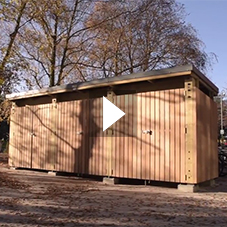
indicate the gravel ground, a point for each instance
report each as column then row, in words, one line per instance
column 31, row 198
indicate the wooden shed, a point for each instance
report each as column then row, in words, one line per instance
column 60, row 128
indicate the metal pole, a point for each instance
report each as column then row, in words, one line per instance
column 222, row 128
column 221, row 114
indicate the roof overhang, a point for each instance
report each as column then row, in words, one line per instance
column 126, row 79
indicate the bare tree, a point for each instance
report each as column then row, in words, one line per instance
column 51, row 42
column 46, row 44
column 153, row 34
column 13, row 19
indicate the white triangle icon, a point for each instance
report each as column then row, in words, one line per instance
column 111, row 113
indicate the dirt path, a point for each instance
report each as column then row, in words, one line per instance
column 37, row 199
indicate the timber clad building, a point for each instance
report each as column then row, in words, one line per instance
column 169, row 132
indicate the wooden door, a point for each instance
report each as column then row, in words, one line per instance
column 43, row 137
column 20, row 137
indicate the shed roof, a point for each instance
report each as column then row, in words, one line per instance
column 124, row 79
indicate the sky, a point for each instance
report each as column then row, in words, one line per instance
column 209, row 18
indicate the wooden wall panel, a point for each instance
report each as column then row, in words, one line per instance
column 159, row 156
column 157, row 135
column 41, row 134
column 182, row 138
column 81, row 146
column 20, row 137
column 95, row 151
column 13, row 136
column 24, row 122
column 207, row 154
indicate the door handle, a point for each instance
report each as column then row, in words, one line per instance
column 147, row 132
column 79, row 133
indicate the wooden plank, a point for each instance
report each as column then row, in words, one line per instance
column 190, row 97
column 143, row 136
column 61, row 145
column 208, row 143
column 114, row 147
column 92, row 150
column 149, row 136
column 162, row 136
column 12, row 135
column 125, row 119
column 110, row 97
column 167, row 136
column 157, row 136
column 87, row 157
column 118, row 146
column 98, row 137
column 135, row 135
column 172, row 136
column 71, row 138
column 152, row 140
column 139, row 137
column 53, row 135
column 130, row 136
column 25, row 121
column 121, row 141
column 177, row 136
column 214, row 128
column 182, row 135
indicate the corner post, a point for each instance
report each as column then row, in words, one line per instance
column 53, row 134
column 12, row 135
column 190, row 135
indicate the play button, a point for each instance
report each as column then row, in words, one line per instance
column 111, row 113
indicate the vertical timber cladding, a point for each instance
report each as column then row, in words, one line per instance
column 63, row 128
column 20, row 137
column 207, row 158
column 12, row 143
column 24, row 134
column 53, row 144
column 190, row 131
column 109, row 147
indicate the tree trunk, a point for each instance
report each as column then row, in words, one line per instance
column 12, row 39
column 53, row 55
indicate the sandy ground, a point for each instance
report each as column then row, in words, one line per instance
column 31, row 198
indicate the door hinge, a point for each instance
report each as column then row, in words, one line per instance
column 13, row 108
column 54, row 102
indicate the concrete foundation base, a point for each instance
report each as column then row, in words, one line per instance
column 188, row 187
column 111, row 181
column 196, row 187
column 52, row 173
